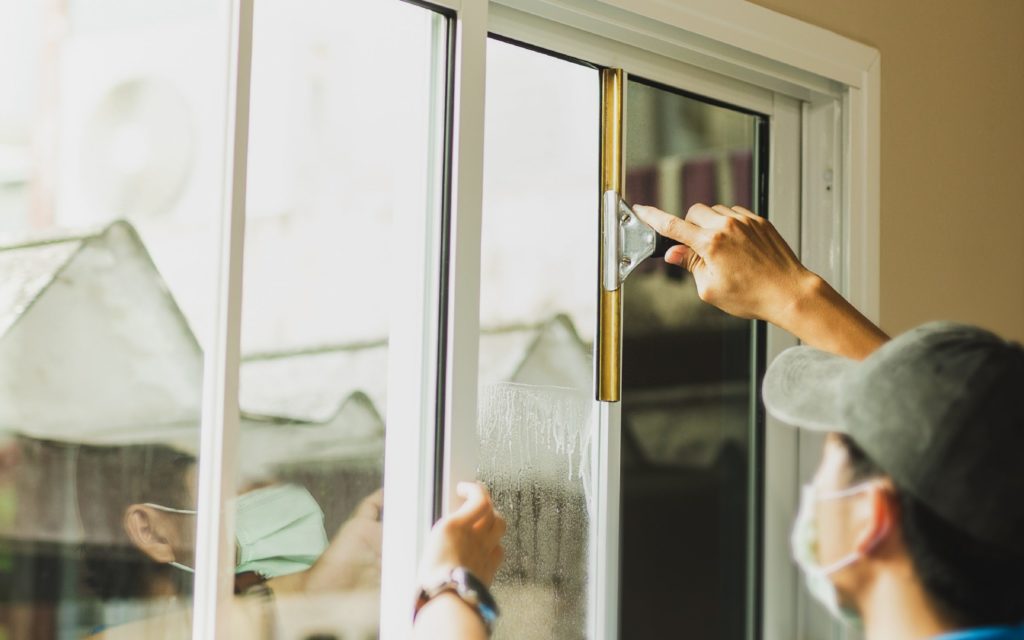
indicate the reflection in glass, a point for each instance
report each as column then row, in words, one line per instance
column 111, row 146
column 687, row 386
column 336, row 147
column 111, row 157
column 537, row 312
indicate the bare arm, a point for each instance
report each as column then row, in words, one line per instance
column 743, row 266
column 447, row 617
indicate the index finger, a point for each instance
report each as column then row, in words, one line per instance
column 477, row 504
column 672, row 227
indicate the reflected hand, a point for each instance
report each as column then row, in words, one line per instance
column 739, row 261
column 469, row 537
column 352, row 560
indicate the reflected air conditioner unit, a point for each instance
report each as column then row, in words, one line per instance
column 141, row 121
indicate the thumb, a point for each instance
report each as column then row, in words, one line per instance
column 681, row 256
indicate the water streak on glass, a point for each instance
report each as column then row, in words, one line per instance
column 534, row 454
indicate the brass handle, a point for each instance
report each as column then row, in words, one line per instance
column 609, row 314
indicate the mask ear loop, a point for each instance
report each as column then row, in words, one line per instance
column 183, row 567
column 187, row 512
column 847, row 492
column 160, row 507
column 853, row 556
column 887, row 526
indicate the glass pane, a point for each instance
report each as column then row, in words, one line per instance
column 688, row 384
column 537, row 314
column 343, row 101
column 111, row 157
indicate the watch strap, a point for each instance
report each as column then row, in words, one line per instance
column 469, row 589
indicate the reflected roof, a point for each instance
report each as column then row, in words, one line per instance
column 94, row 349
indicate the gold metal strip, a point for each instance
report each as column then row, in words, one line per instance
column 609, row 319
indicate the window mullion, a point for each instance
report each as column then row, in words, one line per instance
column 411, row 451
column 779, row 582
column 423, row 335
column 463, row 330
column 214, row 554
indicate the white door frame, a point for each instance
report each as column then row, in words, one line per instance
column 802, row 78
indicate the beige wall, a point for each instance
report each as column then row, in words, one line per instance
column 952, row 153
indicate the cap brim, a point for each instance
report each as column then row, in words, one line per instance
column 803, row 388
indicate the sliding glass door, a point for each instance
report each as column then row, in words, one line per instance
column 270, row 295
column 537, row 310
column 691, row 436
column 629, row 409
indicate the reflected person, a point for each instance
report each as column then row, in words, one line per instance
column 136, row 505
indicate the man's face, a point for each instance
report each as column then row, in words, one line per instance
column 838, row 521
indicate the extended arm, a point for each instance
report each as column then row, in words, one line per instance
column 742, row 265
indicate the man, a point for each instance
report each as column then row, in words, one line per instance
column 914, row 523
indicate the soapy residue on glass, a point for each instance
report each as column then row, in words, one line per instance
column 535, row 458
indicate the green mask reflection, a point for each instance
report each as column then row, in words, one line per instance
column 279, row 530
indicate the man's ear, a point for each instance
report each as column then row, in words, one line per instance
column 876, row 517
column 148, row 530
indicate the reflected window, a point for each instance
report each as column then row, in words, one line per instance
column 111, row 165
column 335, row 150
column 111, row 149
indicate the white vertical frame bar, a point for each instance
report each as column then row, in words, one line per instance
column 603, row 561
column 410, row 448
column 460, row 424
column 822, row 242
column 862, row 193
column 215, row 550
column 822, row 234
column 414, row 346
column 779, row 583
column 605, row 523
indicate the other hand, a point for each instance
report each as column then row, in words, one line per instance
column 352, row 560
column 468, row 537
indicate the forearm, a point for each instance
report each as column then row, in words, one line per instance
column 823, row 319
column 447, row 617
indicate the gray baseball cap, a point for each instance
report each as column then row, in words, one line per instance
column 940, row 409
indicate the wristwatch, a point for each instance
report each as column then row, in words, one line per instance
column 467, row 587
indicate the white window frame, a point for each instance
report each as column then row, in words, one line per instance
column 732, row 50
column 215, row 549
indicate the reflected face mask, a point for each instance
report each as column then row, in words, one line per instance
column 279, row 530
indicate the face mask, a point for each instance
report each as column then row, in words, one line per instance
column 804, row 542
column 279, row 530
